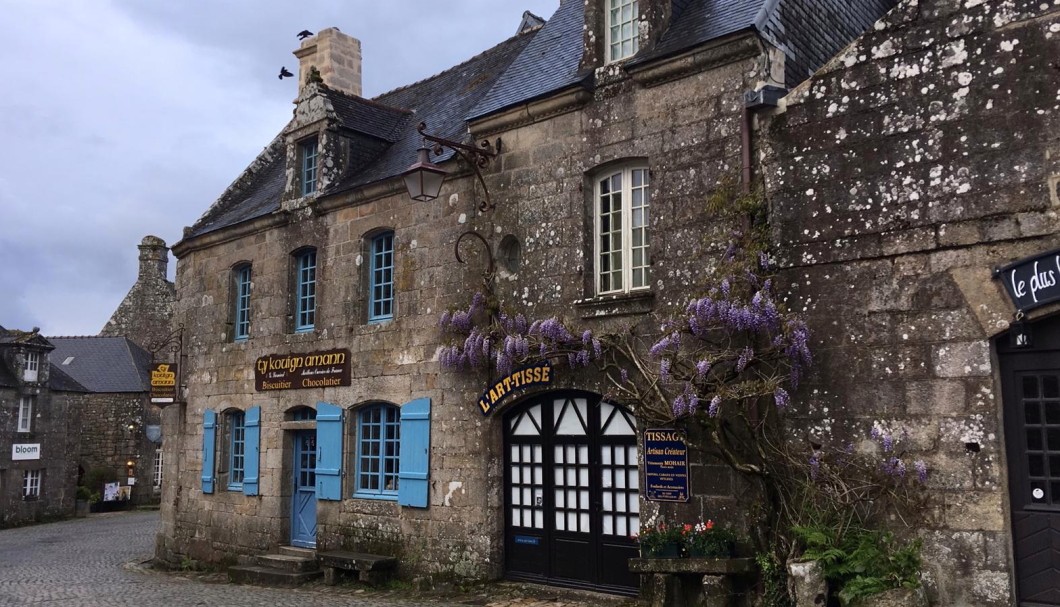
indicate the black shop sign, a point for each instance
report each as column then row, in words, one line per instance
column 1032, row 282
column 665, row 465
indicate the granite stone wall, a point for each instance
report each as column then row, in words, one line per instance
column 919, row 159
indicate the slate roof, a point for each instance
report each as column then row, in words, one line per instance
column 534, row 64
column 442, row 101
column 549, row 63
column 369, row 117
column 61, row 382
column 102, row 364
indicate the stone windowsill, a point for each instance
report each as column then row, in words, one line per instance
column 624, row 304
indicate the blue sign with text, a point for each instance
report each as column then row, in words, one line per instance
column 665, row 465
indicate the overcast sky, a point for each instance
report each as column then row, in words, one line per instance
column 123, row 118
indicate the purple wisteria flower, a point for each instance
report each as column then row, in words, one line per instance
column 715, row 404
column 888, row 443
column 745, row 358
column 815, row 466
column 624, row 374
column 780, row 395
column 921, row 470
column 664, row 369
column 702, row 368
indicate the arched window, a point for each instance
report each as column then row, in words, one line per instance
column 621, row 230
column 381, row 278
column 305, row 289
column 241, row 302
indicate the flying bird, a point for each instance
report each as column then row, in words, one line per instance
column 302, row 35
column 284, row 73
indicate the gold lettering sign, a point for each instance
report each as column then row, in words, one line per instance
column 534, row 375
column 325, row 369
column 163, row 383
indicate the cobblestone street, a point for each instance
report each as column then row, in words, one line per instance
column 102, row 561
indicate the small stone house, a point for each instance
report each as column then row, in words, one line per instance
column 36, row 477
column 315, row 411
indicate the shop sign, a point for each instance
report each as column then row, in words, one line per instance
column 1033, row 281
column 164, row 383
column 534, row 375
column 25, row 451
column 324, row 369
column 665, row 465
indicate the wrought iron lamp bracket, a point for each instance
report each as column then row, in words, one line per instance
column 477, row 156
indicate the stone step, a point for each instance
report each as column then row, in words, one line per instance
column 287, row 562
column 270, row 576
column 308, row 553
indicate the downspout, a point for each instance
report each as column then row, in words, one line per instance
column 766, row 97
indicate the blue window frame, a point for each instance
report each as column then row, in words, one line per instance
column 378, row 451
column 242, row 312
column 237, row 435
column 381, row 283
column 309, row 166
column 306, row 291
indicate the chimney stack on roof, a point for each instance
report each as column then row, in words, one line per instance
column 154, row 257
column 336, row 56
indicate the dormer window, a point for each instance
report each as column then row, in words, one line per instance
column 307, row 154
column 622, row 29
column 32, row 365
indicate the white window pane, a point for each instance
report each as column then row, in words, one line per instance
column 572, row 499
column 609, row 525
column 526, row 454
column 572, row 521
column 537, row 453
column 516, row 476
column 620, row 457
column 517, row 519
column 583, row 477
column 607, row 478
column 620, row 481
column 634, row 522
column 632, row 454
column 538, row 473
column 515, row 454
column 634, row 505
column 559, row 477
column 561, row 521
column 583, row 520
column 515, row 496
column 539, row 519
column 583, row 499
column 528, row 499
column 609, row 499
column 622, row 530
column 605, row 456
column 634, row 480
column 583, row 454
column 560, row 502
column 572, row 479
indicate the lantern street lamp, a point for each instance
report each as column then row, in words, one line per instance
column 423, row 180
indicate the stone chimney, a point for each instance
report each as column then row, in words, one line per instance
column 154, row 257
column 336, row 56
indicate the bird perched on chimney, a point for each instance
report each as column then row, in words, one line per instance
column 302, row 35
column 284, row 73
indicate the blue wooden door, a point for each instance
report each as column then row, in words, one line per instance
column 304, row 505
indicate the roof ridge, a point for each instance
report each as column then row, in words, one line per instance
column 369, row 102
column 459, row 65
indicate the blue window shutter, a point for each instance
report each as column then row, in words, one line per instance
column 329, row 452
column 414, row 469
column 252, row 450
column 209, row 434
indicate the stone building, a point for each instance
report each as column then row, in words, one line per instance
column 118, row 429
column 903, row 177
column 71, row 405
column 316, row 412
column 144, row 315
column 37, row 478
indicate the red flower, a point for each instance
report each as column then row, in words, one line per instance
column 710, row 524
